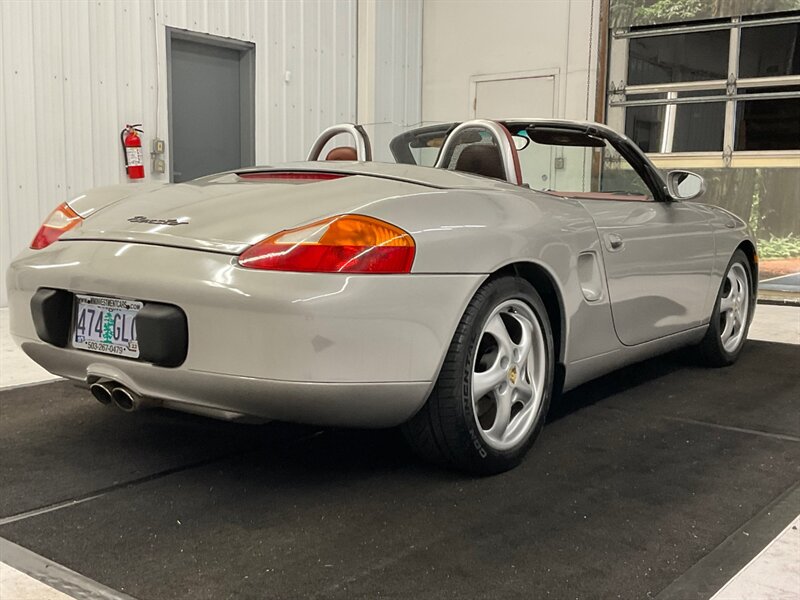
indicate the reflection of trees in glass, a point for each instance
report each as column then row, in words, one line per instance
column 671, row 10
column 765, row 197
column 650, row 12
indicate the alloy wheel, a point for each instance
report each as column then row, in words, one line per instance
column 734, row 306
column 508, row 374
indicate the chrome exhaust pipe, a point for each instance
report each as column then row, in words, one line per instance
column 128, row 401
column 101, row 392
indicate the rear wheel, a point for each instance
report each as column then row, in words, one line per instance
column 730, row 320
column 493, row 391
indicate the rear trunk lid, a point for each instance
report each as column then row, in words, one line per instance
column 228, row 213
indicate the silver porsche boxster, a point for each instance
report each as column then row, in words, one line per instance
column 454, row 292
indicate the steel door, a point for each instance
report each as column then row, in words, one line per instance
column 209, row 106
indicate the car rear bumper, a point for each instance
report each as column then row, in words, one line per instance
column 358, row 350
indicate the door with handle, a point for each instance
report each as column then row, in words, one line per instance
column 658, row 259
column 658, row 254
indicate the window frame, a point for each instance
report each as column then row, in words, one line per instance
column 620, row 96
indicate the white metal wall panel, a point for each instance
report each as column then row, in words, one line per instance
column 465, row 40
column 398, row 66
column 73, row 73
column 18, row 129
column 346, row 63
column 293, row 57
column 79, row 157
column 5, row 223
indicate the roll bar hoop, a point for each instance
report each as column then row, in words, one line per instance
column 501, row 137
column 360, row 137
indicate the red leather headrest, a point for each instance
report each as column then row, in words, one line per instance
column 342, row 153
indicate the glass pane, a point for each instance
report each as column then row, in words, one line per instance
column 770, row 51
column 699, row 127
column 627, row 13
column 415, row 145
column 676, row 58
column 644, row 125
column 768, row 124
column 615, row 179
column 597, row 173
column 425, row 157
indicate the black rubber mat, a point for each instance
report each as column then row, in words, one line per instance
column 57, row 443
column 636, row 478
column 760, row 392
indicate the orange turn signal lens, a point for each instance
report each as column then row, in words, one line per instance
column 342, row 244
column 61, row 220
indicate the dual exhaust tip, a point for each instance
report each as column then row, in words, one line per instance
column 109, row 392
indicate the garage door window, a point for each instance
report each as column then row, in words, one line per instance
column 678, row 58
column 717, row 87
column 663, row 127
column 768, row 123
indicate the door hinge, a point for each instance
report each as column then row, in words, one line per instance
column 730, row 85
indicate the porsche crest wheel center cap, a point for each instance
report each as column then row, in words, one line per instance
column 512, row 375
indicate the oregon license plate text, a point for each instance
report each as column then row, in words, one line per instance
column 106, row 325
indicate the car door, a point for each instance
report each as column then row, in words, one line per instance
column 658, row 252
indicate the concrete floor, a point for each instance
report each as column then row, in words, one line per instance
column 773, row 574
column 15, row 367
column 776, row 324
column 16, row 585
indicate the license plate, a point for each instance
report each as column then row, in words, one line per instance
column 106, row 325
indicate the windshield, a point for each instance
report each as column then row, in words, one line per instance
column 571, row 163
column 552, row 159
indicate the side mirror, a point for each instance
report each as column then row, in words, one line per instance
column 685, row 185
column 520, row 141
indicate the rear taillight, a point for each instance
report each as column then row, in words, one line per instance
column 61, row 220
column 343, row 244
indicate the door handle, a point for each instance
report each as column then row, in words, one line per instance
column 614, row 242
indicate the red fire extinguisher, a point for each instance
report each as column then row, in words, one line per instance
column 132, row 150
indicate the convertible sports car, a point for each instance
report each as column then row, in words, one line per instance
column 454, row 299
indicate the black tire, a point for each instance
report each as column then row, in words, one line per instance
column 445, row 430
column 712, row 350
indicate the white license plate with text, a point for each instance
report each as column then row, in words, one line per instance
column 106, row 325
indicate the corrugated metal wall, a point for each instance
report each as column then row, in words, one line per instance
column 398, row 72
column 74, row 72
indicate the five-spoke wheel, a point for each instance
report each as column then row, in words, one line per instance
column 492, row 394
column 494, row 387
column 727, row 329
column 508, row 374
column 734, row 306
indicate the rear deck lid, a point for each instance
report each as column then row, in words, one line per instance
column 228, row 213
